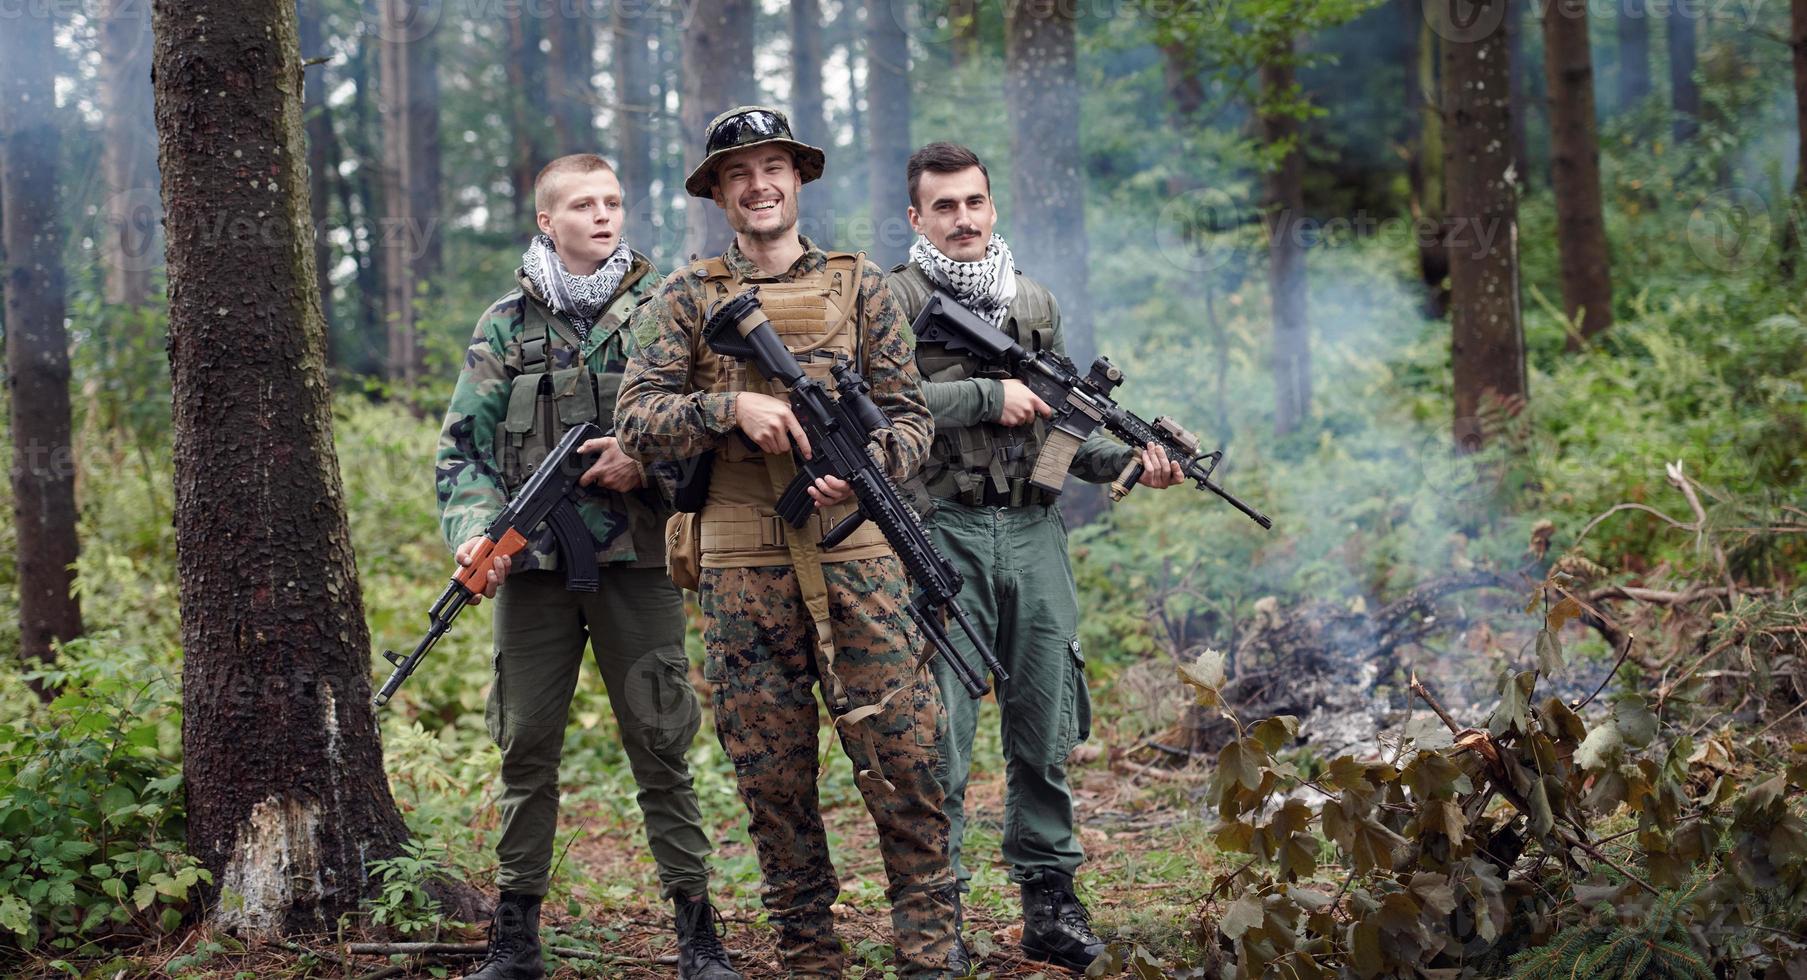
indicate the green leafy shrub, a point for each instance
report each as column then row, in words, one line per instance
column 91, row 811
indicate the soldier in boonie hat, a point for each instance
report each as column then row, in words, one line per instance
column 744, row 126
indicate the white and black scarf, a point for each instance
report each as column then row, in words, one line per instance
column 581, row 298
column 986, row 287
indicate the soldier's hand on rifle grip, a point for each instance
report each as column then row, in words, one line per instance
column 830, row 490
column 498, row 572
column 613, row 469
column 1158, row 471
column 1021, row 405
column 770, row 423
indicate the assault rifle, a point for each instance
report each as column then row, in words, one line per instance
column 1081, row 403
column 838, row 428
column 549, row 496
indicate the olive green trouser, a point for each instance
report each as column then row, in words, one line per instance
column 1020, row 595
column 635, row 622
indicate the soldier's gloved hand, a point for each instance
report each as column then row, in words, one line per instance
column 614, row 469
column 830, row 490
column 1021, row 405
column 1158, row 471
column 769, row 422
column 498, row 572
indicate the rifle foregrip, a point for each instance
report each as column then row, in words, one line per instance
column 474, row 577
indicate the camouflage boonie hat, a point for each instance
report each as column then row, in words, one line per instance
column 750, row 125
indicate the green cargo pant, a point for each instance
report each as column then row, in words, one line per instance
column 1020, row 594
column 635, row 622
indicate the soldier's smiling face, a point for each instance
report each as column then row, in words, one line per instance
column 757, row 190
column 953, row 211
column 583, row 218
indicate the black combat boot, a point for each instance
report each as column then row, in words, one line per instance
column 959, row 958
column 514, row 941
column 1056, row 927
column 700, row 952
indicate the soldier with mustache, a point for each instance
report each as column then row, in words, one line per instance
column 781, row 614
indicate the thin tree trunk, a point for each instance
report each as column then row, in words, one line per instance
column 526, row 88
column 888, row 149
column 1284, row 209
column 133, row 243
column 634, row 111
column 411, row 179
column 1634, row 54
column 364, row 145
column 1684, row 95
column 1521, row 98
column 570, row 89
column 320, row 174
column 1792, row 242
column 1486, row 333
column 1575, row 171
column 37, row 347
column 283, row 769
column 855, row 184
column 1432, row 231
column 1185, row 87
column 963, row 26
column 809, row 121
column 718, row 75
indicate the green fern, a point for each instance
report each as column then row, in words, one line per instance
column 1656, row 947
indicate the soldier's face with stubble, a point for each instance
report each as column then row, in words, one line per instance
column 583, row 219
column 757, row 188
column 954, row 212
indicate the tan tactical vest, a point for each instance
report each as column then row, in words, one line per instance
column 817, row 317
column 965, row 461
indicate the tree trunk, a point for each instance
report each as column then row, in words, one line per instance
column 37, row 347
column 718, row 75
column 363, row 143
column 888, row 149
column 1431, row 230
column 634, row 113
column 411, row 179
column 1634, row 54
column 1486, row 335
column 527, row 103
column 1284, row 209
column 1184, row 82
column 809, row 121
column 1521, row 98
column 1575, row 171
column 1041, row 93
column 963, row 30
column 320, row 174
column 570, row 90
column 1793, row 241
column 132, row 245
column 1684, row 96
column 283, row 767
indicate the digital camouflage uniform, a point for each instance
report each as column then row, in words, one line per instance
column 1009, row 544
column 762, row 658
column 527, row 378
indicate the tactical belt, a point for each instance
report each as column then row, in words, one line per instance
column 1021, row 493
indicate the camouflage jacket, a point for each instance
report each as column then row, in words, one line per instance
column 661, row 418
column 628, row 528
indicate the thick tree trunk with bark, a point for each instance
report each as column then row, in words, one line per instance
column 570, row 90
column 1284, row 210
column 411, row 179
column 1575, row 171
column 718, row 75
column 37, row 347
column 283, row 767
column 527, row 89
column 1486, row 333
column 132, row 245
column 1684, row 95
column 320, row 174
column 1634, row 53
column 1047, row 223
column 888, row 150
column 635, row 107
column 809, row 120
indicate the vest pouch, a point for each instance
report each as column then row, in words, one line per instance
column 573, row 397
column 516, row 456
column 683, row 551
column 608, row 389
